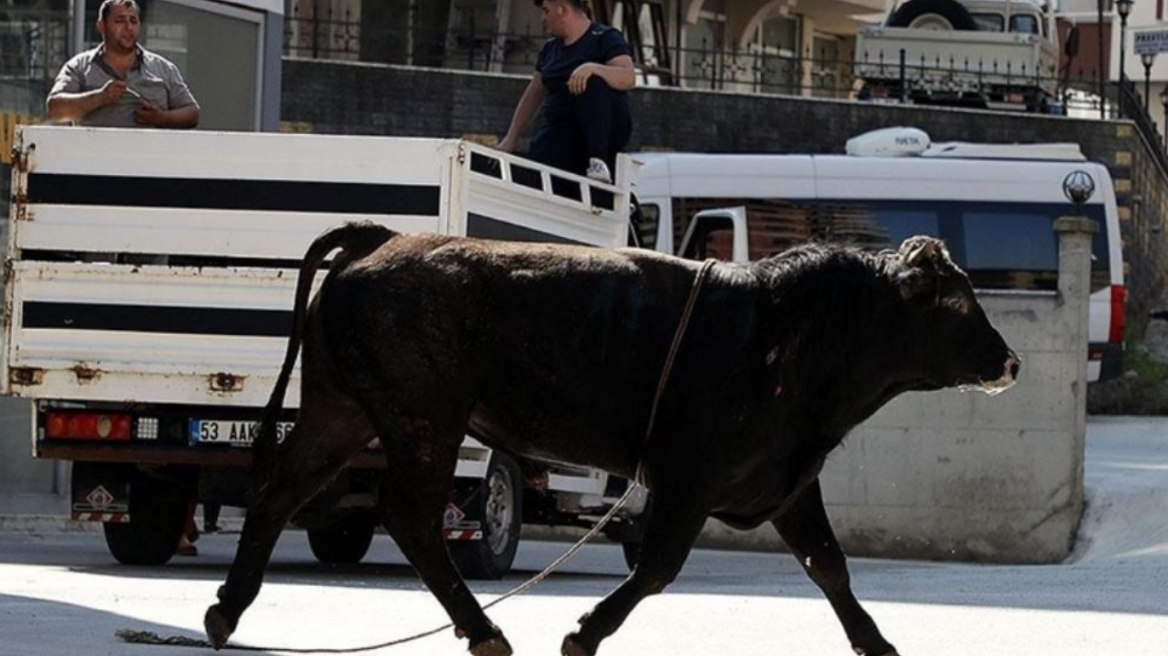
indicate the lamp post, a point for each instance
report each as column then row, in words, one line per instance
column 1147, row 59
column 1123, row 8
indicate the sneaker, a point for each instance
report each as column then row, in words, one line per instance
column 598, row 170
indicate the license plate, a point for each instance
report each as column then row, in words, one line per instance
column 235, row 433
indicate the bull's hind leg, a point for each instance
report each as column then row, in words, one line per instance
column 677, row 519
column 421, row 459
column 807, row 533
column 328, row 431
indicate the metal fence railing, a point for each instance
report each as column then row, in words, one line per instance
column 823, row 73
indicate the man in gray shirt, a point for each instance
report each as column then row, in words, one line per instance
column 120, row 83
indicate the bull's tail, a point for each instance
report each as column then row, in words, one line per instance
column 356, row 240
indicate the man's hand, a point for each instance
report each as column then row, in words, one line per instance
column 111, row 91
column 507, row 145
column 578, row 83
column 148, row 114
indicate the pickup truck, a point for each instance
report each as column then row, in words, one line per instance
column 997, row 54
column 149, row 285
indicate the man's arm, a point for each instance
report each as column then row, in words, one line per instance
column 524, row 113
column 65, row 106
column 179, row 118
column 618, row 73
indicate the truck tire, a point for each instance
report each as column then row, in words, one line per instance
column 158, row 514
column 344, row 542
column 498, row 507
column 933, row 14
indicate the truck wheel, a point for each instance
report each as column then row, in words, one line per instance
column 344, row 542
column 158, row 514
column 498, row 507
column 933, row 15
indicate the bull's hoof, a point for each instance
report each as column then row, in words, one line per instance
column 573, row 647
column 494, row 647
column 219, row 629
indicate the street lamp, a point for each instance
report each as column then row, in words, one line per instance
column 1124, row 8
column 1147, row 59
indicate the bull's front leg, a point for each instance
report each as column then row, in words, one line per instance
column 807, row 533
column 675, row 523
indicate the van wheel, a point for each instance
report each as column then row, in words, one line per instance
column 158, row 514
column 498, row 507
column 933, row 15
column 344, row 542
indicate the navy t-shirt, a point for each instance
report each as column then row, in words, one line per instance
column 599, row 45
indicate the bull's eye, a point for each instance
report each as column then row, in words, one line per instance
column 958, row 304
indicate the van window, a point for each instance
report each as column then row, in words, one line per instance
column 774, row 224
column 1012, row 250
column 645, row 225
column 1000, row 245
column 875, row 226
column 713, row 238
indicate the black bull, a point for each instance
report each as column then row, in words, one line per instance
column 555, row 352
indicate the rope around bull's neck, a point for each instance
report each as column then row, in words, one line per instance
column 151, row 638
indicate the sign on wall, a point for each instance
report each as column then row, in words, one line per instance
column 1151, row 42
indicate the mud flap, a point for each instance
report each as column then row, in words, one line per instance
column 100, row 492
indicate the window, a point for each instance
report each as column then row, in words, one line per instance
column 1010, row 246
column 1024, row 24
column 773, row 224
column 1010, row 250
column 645, row 226
column 989, row 22
column 876, row 226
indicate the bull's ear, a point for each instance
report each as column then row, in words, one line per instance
column 922, row 251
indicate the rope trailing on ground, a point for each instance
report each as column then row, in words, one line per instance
column 151, row 638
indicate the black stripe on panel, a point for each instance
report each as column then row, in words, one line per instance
column 157, row 319
column 484, row 227
column 258, row 195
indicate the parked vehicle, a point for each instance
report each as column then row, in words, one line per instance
column 150, row 279
column 1000, row 54
column 993, row 205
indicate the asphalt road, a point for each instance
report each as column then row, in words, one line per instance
column 62, row 595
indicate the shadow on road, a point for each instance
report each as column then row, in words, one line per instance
column 35, row 626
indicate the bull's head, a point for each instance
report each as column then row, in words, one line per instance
column 959, row 347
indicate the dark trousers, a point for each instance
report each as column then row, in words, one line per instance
column 599, row 126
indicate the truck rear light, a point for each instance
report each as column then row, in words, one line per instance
column 87, row 426
column 1118, row 319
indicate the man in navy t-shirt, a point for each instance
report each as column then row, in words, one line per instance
column 580, row 81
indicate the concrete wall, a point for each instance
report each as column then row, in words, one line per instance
column 339, row 98
column 964, row 476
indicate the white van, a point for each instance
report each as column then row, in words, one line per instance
column 993, row 205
